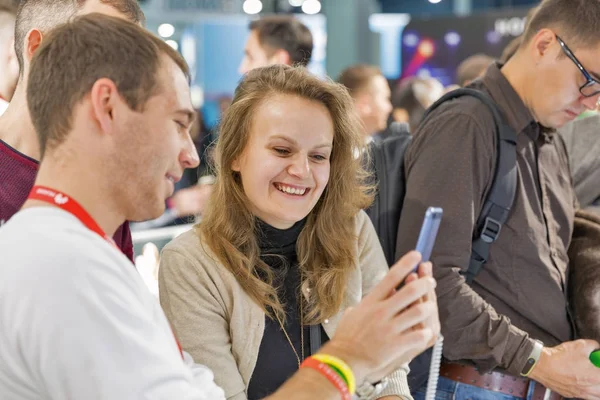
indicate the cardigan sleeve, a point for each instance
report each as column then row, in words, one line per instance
column 197, row 313
column 373, row 268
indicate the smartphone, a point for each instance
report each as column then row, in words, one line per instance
column 429, row 230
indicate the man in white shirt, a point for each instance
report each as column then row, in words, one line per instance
column 111, row 106
column 76, row 320
column 77, row 311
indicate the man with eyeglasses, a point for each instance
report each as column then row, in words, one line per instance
column 512, row 320
column 583, row 146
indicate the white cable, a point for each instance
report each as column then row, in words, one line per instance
column 434, row 369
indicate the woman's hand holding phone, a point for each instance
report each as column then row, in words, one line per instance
column 384, row 332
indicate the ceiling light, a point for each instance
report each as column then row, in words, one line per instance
column 252, row 6
column 166, row 30
column 311, row 6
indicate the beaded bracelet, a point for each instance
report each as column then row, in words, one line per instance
column 330, row 374
column 341, row 368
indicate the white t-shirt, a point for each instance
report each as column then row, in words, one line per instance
column 77, row 321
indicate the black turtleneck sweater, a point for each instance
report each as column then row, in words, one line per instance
column 276, row 360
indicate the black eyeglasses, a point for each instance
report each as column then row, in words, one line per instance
column 591, row 87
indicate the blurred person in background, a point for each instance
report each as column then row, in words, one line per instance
column 283, row 244
column 9, row 66
column 371, row 94
column 277, row 40
column 472, row 68
column 19, row 147
column 412, row 97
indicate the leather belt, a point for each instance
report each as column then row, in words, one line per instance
column 496, row 382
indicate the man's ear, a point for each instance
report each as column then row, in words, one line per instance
column 281, row 57
column 104, row 96
column 33, row 41
column 541, row 43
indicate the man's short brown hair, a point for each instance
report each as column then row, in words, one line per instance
column 358, row 77
column 285, row 33
column 46, row 15
column 577, row 22
column 77, row 54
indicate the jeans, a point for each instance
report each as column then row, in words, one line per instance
column 451, row 390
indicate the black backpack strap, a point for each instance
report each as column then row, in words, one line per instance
column 499, row 200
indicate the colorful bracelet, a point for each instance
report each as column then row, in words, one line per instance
column 341, row 368
column 330, row 374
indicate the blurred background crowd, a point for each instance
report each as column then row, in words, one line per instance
column 396, row 57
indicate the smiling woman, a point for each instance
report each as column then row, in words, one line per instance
column 283, row 243
column 285, row 166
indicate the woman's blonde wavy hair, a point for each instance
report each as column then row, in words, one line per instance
column 327, row 242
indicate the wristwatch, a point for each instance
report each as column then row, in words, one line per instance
column 369, row 391
column 533, row 358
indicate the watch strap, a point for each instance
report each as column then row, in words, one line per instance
column 533, row 358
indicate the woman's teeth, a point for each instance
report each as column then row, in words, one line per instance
column 290, row 190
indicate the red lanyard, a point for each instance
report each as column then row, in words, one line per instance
column 68, row 204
